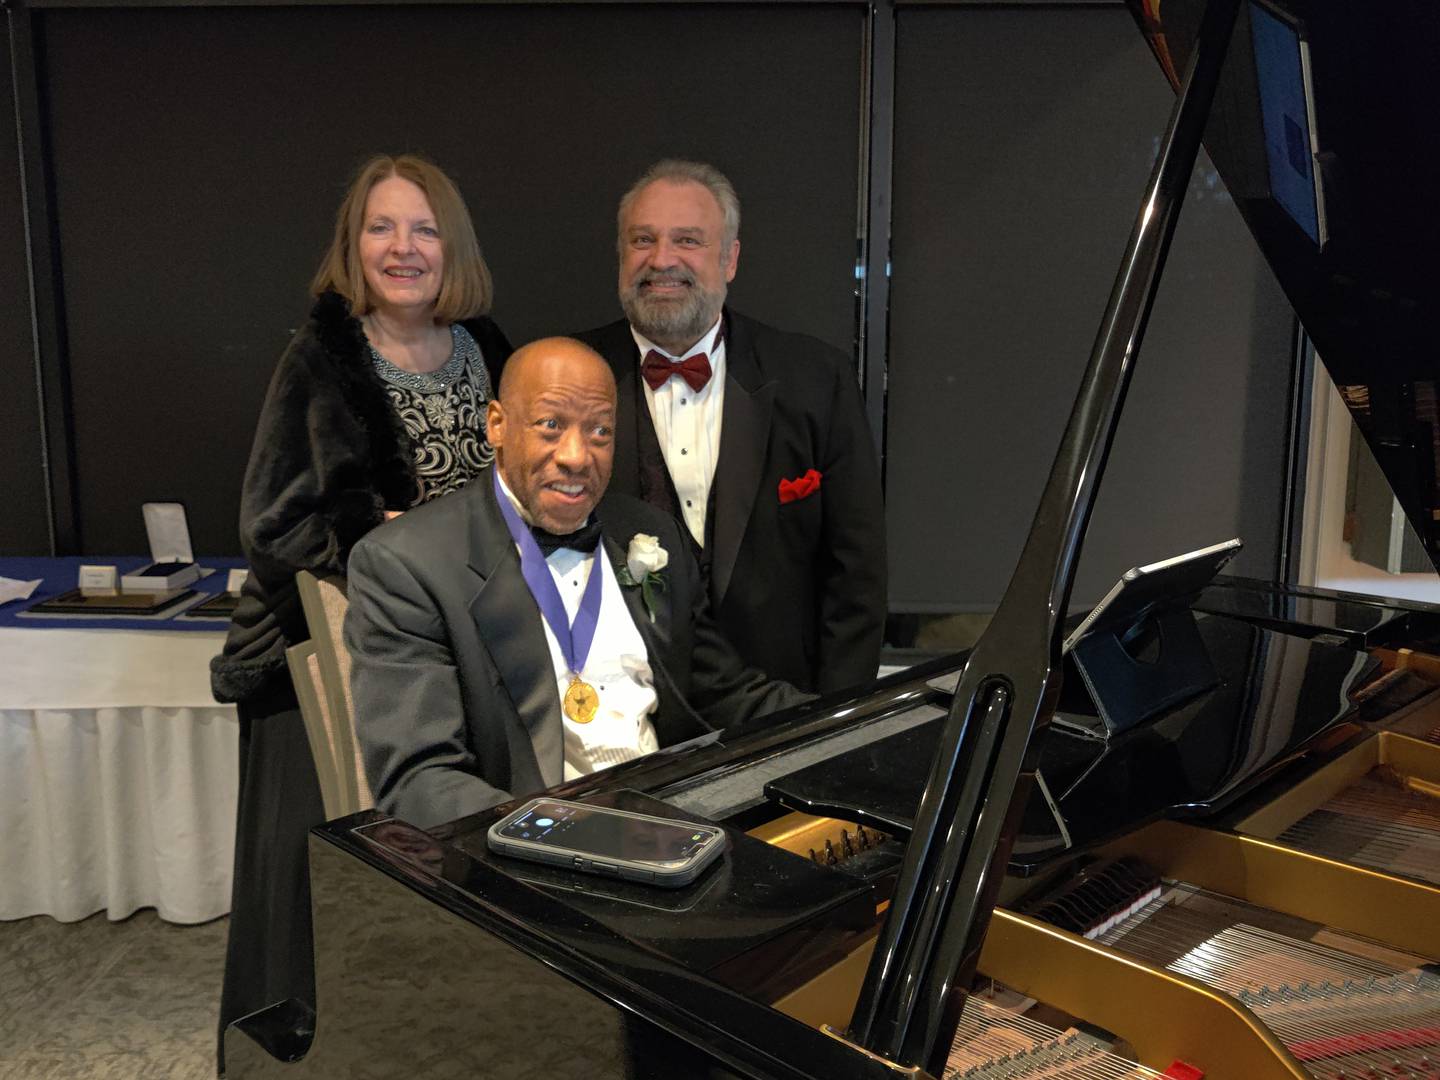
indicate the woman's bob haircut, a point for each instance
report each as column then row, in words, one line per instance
column 465, row 288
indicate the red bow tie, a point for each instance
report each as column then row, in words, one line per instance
column 695, row 370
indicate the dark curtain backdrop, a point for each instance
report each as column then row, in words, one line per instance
column 200, row 154
column 1023, row 140
column 24, row 520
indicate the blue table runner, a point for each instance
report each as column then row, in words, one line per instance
column 61, row 575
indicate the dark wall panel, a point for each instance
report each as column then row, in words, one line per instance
column 200, row 155
column 1023, row 141
column 24, row 522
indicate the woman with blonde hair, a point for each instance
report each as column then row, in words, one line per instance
column 377, row 405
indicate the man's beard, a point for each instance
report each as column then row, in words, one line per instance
column 669, row 320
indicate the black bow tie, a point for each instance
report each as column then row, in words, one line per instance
column 582, row 539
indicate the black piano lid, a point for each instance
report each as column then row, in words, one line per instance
column 1352, row 151
column 1276, row 693
column 1263, row 88
column 1355, row 619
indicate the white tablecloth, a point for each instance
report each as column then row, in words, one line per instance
column 118, row 775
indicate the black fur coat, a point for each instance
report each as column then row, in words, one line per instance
column 330, row 457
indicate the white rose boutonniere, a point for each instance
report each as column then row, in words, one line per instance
column 645, row 556
column 643, row 562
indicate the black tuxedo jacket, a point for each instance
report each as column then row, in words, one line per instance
column 799, row 587
column 455, row 702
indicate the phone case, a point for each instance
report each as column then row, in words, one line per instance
column 651, row 873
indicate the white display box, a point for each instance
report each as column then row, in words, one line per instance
column 172, row 564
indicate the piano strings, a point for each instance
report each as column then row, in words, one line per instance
column 1234, row 958
column 1347, row 1008
column 1384, row 821
column 1383, row 1028
column 994, row 1043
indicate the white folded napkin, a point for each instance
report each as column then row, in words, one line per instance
column 10, row 589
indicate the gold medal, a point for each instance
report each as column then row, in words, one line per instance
column 581, row 701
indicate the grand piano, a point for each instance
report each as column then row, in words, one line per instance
column 1214, row 854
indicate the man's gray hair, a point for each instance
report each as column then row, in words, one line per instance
column 680, row 171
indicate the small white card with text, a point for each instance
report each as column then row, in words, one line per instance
column 98, row 579
column 236, row 580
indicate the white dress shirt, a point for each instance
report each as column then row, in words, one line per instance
column 688, row 426
column 617, row 666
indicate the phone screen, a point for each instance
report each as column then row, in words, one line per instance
column 606, row 834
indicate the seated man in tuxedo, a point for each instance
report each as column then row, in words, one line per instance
column 525, row 631
column 754, row 437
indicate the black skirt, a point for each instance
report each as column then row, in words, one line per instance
column 269, row 956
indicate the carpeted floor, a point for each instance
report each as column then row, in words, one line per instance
column 132, row 1000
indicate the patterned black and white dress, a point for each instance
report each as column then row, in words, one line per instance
column 443, row 412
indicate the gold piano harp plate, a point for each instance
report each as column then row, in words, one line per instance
column 1411, row 757
column 1398, row 912
column 1164, row 1016
column 1375, row 806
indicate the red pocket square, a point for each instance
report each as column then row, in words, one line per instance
column 800, row 487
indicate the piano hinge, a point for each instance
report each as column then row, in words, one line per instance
column 899, row 1070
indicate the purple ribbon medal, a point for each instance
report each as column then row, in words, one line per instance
column 581, row 700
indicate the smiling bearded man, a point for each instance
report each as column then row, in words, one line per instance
column 530, row 629
column 754, row 438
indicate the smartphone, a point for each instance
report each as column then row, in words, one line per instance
column 613, row 843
